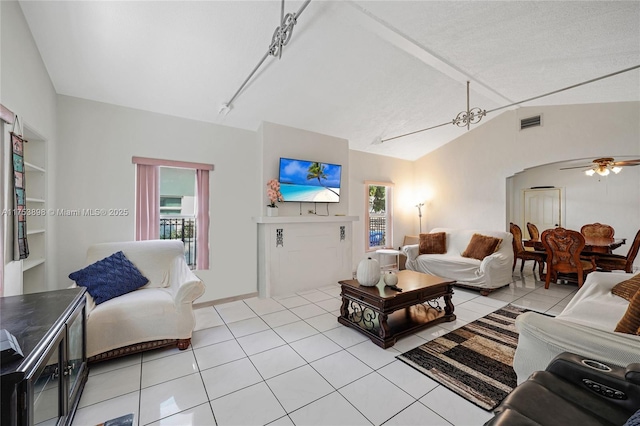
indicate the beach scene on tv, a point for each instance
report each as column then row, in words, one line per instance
column 307, row 181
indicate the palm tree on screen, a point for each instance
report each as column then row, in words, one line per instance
column 316, row 171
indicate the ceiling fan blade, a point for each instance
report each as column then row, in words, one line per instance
column 627, row 163
column 577, row 167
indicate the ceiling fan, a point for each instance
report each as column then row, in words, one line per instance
column 603, row 166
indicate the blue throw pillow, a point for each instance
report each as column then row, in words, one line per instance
column 634, row 420
column 110, row 277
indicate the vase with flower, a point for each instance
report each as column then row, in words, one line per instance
column 274, row 195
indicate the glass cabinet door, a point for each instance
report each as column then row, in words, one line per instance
column 46, row 386
column 76, row 351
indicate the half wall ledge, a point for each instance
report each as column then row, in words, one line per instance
column 305, row 219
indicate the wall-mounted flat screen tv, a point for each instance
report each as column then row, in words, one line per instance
column 309, row 181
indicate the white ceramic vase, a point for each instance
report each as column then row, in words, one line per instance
column 368, row 272
column 390, row 279
column 272, row 211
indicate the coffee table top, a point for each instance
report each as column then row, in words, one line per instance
column 408, row 281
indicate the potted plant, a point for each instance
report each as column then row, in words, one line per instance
column 274, row 195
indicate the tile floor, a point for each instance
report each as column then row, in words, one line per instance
column 287, row 361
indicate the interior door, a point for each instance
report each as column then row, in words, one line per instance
column 542, row 207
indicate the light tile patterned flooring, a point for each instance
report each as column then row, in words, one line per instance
column 287, row 361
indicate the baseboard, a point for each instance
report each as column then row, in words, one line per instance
column 225, row 300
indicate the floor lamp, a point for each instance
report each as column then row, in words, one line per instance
column 419, row 206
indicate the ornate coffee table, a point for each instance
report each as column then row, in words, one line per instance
column 385, row 314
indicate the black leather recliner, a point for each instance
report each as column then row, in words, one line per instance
column 573, row 390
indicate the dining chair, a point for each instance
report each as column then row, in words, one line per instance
column 613, row 262
column 519, row 252
column 563, row 247
column 597, row 230
column 534, row 234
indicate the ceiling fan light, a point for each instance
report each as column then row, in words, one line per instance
column 602, row 171
column 590, row 172
column 616, row 169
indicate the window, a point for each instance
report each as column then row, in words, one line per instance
column 172, row 203
column 378, row 217
column 178, row 209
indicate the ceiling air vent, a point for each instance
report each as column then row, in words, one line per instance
column 526, row 123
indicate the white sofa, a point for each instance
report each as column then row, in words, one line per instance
column 158, row 314
column 585, row 327
column 492, row 272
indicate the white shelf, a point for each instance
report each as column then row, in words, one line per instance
column 35, row 200
column 31, row 263
column 305, row 219
column 33, row 168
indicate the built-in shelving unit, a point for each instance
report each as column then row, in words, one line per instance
column 35, row 161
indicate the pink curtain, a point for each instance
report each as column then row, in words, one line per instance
column 202, row 219
column 1, row 257
column 147, row 202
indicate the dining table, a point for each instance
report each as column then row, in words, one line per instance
column 592, row 244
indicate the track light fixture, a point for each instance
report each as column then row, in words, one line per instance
column 281, row 37
column 474, row 115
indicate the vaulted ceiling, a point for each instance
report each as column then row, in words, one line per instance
column 353, row 69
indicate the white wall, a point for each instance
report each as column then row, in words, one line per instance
column 96, row 143
column 357, row 167
column 25, row 88
column 467, row 177
column 371, row 167
column 281, row 141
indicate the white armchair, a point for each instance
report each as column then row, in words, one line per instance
column 158, row 314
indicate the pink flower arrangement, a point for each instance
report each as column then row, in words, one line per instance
column 273, row 192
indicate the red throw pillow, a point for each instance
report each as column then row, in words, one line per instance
column 435, row 243
column 626, row 289
column 630, row 322
column 481, row 246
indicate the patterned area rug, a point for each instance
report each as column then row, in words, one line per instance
column 476, row 360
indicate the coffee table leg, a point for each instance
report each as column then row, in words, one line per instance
column 344, row 309
column 448, row 304
column 384, row 326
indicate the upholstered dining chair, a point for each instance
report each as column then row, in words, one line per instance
column 534, row 234
column 538, row 257
column 598, row 230
column 563, row 248
column 613, row 262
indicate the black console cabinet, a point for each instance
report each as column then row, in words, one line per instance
column 45, row 386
